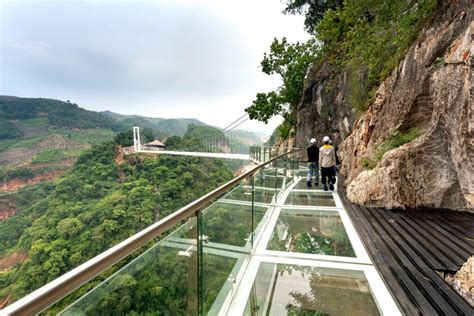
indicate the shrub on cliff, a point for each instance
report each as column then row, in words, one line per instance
column 367, row 38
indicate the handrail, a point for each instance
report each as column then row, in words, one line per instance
column 57, row 289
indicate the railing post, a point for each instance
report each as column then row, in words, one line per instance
column 199, row 261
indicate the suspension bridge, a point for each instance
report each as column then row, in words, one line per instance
column 229, row 143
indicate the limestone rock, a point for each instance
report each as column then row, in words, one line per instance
column 437, row 168
column 463, row 281
column 323, row 109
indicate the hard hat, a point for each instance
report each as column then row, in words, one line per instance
column 326, row 139
column 312, row 140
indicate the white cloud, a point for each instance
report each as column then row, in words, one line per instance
column 181, row 58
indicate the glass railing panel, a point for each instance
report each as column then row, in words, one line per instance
column 267, row 179
column 293, row 165
column 311, row 198
column 228, row 223
column 227, row 229
column 244, row 193
column 311, row 231
column 303, row 169
column 164, row 279
column 283, row 289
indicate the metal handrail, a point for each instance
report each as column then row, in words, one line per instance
column 57, row 289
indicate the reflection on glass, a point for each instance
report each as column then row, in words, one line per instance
column 230, row 224
column 216, row 277
column 281, row 289
column 226, row 230
column 310, row 199
column 269, row 178
column 244, row 193
column 314, row 232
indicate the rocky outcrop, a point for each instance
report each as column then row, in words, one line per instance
column 323, row 109
column 15, row 184
column 463, row 281
column 430, row 90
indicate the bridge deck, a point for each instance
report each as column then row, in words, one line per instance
column 195, row 154
column 413, row 249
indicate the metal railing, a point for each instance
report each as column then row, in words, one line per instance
column 52, row 292
column 259, row 154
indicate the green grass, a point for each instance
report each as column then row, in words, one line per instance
column 368, row 163
column 395, row 140
column 90, row 136
column 22, row 143
column 55, row 155
column 6, row 143
column 35, row 122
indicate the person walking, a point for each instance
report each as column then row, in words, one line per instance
column 313, row 157
column 338, row 162
column 327, row 161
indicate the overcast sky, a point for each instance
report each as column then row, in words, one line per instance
column 176, row 58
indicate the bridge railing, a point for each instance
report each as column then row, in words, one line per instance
column 193, row 270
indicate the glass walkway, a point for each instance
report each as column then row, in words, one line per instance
column 265, row 246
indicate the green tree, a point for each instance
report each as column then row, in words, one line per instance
column 291, row 62
column 313, row 10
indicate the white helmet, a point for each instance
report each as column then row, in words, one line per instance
column 326, row 139
column 312, row 140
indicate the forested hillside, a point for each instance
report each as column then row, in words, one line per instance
column 103, row 199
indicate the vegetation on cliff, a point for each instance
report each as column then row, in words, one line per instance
column 365, row 39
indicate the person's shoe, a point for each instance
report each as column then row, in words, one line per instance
column 325, row 188
column 331, row 187
column 316, row 184
column 308, row 184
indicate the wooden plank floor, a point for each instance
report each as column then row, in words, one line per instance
column 411, row 248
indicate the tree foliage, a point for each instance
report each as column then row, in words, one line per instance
column 94, row 206
column 291, row 62
column 313, row 10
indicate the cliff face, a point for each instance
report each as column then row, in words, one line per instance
column 431, row 90
column 323, row 109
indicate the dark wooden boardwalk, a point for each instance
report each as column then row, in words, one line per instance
column 412, row 249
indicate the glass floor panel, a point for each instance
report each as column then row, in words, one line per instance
column 311, row 231
column 301, row 185
column 282, row 289
column 310, row 199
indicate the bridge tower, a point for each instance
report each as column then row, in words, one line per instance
column 136, row 139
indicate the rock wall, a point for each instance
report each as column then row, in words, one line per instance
column 431, row 90
column 323, row 109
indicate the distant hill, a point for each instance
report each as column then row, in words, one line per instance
column 166, row 127
column 19, row 114
column 40, row 138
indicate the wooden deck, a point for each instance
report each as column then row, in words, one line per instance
column 412, row 249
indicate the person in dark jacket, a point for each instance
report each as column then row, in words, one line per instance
column 338, row 162
column 313, row 158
